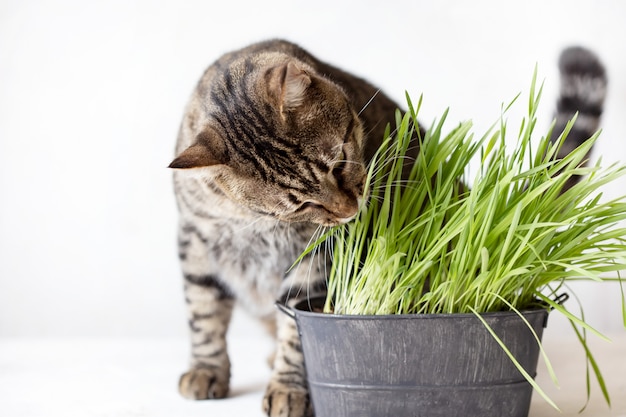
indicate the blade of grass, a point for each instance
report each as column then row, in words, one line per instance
column 519, row 367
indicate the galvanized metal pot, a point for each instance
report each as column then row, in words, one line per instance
column 433, row 365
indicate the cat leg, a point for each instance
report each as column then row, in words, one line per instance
column 287, row 393
column 210, row 307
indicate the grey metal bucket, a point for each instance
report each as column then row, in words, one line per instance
column 439, row 365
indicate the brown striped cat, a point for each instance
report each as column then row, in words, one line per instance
column 273, row 144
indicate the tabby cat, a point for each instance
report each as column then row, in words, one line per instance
column 273, row 144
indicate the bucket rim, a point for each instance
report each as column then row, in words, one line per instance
column 302, row 308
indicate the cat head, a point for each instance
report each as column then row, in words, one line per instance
column 282, row 141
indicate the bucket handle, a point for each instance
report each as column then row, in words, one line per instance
column 561, row 298
column 284, row 309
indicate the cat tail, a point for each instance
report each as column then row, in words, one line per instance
column 583, row 90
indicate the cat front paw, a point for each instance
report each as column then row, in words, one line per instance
column 283, row 400
column 204, row 384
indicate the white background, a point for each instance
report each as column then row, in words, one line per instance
column 91, row 95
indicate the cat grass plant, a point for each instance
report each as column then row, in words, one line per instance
column 511, row 240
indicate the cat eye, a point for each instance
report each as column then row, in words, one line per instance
column 309, row 205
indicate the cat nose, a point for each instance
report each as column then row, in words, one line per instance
column 344, row 209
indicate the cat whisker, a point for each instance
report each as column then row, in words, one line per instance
column 345, row 161
column 387, row 154
column 369, row 101
column 250, row 224
column 317, row 233
column 388, row 160
column 337, row 147
column 374, row 126
column 276, row 227
column 403, row 183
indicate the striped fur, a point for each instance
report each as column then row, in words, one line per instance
column 273, row 144
column 583, row 90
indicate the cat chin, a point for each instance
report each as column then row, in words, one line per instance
column 321, row 222
column 345, row 220
column 336, row 221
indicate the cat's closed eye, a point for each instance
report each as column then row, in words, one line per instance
column 309, row 205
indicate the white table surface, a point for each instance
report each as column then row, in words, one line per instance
column 568, row 361
column 133, row 378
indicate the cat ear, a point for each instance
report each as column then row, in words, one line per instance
column 295, row 83
column 208, row 150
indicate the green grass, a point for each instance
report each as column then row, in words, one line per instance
column 425, row 243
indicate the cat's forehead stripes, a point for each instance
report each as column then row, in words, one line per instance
column 254, row 139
